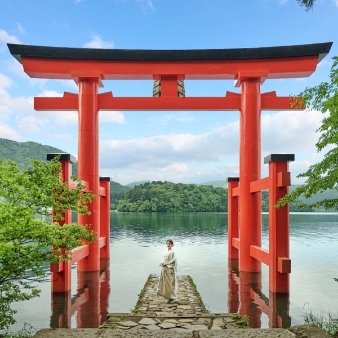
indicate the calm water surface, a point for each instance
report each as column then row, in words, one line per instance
column 138, row 242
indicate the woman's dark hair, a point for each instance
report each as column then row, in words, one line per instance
column 170, row 241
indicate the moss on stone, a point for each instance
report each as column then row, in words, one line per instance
column 135, row 310
column 194, row 287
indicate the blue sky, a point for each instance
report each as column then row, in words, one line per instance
column 188, row 147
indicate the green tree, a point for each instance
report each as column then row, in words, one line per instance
column 308, row 4
column 28, row 239
column 116, row 193
column 323, row 175
column 170, row 197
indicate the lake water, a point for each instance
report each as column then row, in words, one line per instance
column 138, row 243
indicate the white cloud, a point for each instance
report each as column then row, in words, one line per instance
column 9, row 104
column 5, row 81
column 7, row 38
column 227, row 170
column 97, row 42
column 164, row 156
column 163, row 150
column 15, row 67
column 58, row 117
column 30, row 120
column 20, row 29
column 30, row 123
column 166, row 118
column 145, row 4
column 112, row 116
column 282, row 132
column 7, row 132
column 65, row 117
column 175, row 167
column 290, row 131
column 50, row 93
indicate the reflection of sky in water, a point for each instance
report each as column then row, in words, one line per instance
column 138, row 242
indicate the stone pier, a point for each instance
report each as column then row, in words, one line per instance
column 187, row 317
column 187, row 314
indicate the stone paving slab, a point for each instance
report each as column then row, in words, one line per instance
column 71, row 333
column 192, row 322
column 188, row 302
column 307, row 332
column 249, row 333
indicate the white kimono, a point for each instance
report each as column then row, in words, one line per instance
column 168, row 285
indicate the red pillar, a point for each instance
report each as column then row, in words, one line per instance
column 250, row 154
column 232, row 217
column 88, row 163
column 105, row 216
column 280, row 264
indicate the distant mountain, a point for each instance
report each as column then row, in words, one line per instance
column 19, row 152
column 328, row 194
column 216, row 184
column 133, row 184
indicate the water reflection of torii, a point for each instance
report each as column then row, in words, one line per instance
column 90, row 303
column 249, row 67
column 245, row 297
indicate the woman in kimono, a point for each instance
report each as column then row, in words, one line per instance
column 168, row 285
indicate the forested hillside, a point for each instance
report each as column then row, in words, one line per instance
column 117, row 191
column 19, row 152
column 148, row 196
column 178, row 197
column 171, row 197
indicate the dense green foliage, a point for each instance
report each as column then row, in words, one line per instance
column 171, row 197
column 117, row 192
column 20, row 152
column 322, row 176
column 28, row 239
column 308, row 4
column 179, row 197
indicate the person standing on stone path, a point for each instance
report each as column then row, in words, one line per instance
column 168, row 285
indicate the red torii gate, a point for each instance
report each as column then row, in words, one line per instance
column 249, row 67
